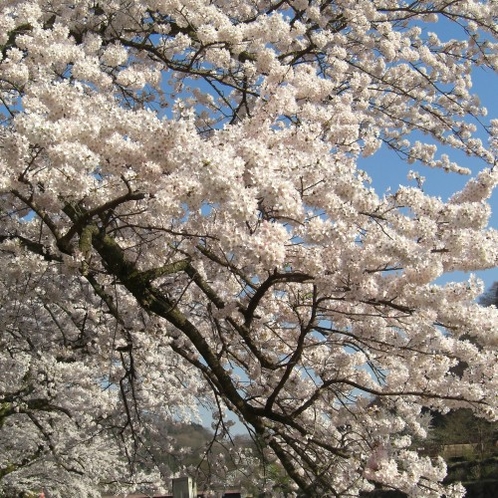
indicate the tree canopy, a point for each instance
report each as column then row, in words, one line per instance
column 186, row 221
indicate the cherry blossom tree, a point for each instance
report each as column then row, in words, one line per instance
column 186, row 220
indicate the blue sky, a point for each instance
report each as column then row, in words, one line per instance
column 389, row 171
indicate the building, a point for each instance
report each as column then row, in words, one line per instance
column 186, row 487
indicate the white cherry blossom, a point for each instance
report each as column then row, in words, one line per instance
column 186, row 221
